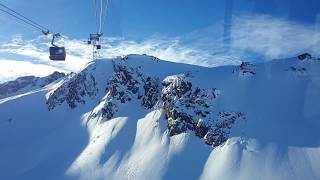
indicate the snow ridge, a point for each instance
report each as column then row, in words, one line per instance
column 27, row 83
column 186, row 107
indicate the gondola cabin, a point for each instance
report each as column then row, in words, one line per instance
column 57, row 53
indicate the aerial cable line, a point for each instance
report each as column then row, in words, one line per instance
column 14, row 20
column 100, row 12
column 105, row 13
column 56, row 53
column 23, row 18
column 27, row 22
column 31, row 21
column 95, row 13
column 100, row 17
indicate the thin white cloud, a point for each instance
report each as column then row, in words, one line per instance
column 255, row 38
column 273, row 38
column 170, row 49
column 79, row 53
column 10, row 69
column 265, row 37
column 162, row 47
column 36, row 51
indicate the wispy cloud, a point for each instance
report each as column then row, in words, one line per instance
column 255, row 38
column 79, row 53
column 171, row 49
column 10, row 69
column 273, row 38
column 36, row 51
column 265, row 37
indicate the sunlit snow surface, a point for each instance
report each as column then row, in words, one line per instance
column 278, row 140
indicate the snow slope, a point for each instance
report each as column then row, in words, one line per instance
column 139, row 117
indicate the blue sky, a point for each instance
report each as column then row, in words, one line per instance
column 129, row 18
column 139, row 19
column 204, row 32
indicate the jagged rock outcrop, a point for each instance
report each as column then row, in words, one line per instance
column 192, row 108
column 151, row 92
column 74, row 90
column 126, row 84
column 28, row 82
column 219, row 131
column 186, row 106
column 182, row 104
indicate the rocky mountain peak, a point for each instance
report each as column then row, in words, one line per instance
column 186, row 106
column 74, row 89
column 126, row 84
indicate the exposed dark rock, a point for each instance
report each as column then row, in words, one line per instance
column 109, row 110
column 191, row 108
column 245, row 68
column 201, row 129
column 151, row 92
column 125, row 85
column 74, row 90
column 304, row 56
column 215, row 137
column 220, row 130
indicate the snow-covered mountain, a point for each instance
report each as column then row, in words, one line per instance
column 27, row 83
column 138, row 117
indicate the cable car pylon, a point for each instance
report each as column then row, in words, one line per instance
column 95, row 39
